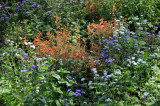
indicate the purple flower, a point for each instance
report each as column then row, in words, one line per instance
column 83, row 92
column 108, row 61
column 69, row 76
column 68, row 90
column 38, row 6
column 115, row 40
column 25, row 55
column 7, row 7
column 82, row 85
column 49, row 11
column 135, row 46
column 66, row 100
column 147, row 33
column 23, row 71
column 156, row 27
column 134, row 54
column 33, row 66
column 78, row 91
column 19, row 48
column 22, row 90
column 27, row 12
column 77, row 94
column 110, row 43
column 2, row 18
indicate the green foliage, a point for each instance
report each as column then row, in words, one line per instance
column 126, row 71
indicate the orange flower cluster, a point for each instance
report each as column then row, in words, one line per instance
column 58, row 46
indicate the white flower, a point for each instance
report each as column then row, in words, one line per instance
column 121, row 32
column 158, row 86
column 25, row 43
column 8, row 40
column 17, row 55
column 118, row 73
column 145, row 21
column 29, row 43
column 37, row 91
column 90, row 82
column 133, row 58
column 94, row 70
column 139, row 60
column 145, row 93
column 32, row 46
column 117, row 20
column 107, row 100
column 140, row 28
column 82, row 79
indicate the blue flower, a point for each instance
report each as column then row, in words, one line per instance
column 110, row 43
column 68, row 90
column 66, row 100
column 108, row 61
column 33, row 66
column 25, row 55
column 27, row 12
column 69, row 76
column 78, row 91
column 83, row 92
column 23, row 71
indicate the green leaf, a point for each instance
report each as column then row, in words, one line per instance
column 56, row 76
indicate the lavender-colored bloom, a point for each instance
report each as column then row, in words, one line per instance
column 82, row 85
column 22, row 90
column 68, row 90
column 69, row 76
column 25, row 54
column 135, row 46
column 108, row 61
column 49, row 11
column 110, row 43
column 78, row 91
column 156, row 27
column 7, row 7
column 23, row 71
column 38, row 6
column 134, row 54
column 66, row 100
column 27, row 12
column 19, row 48
column 115, row 40
column 2, row 18
column 83, row 92
column 33, row 66
column 147, row 33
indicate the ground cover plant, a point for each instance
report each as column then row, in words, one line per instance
column 79, row 53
